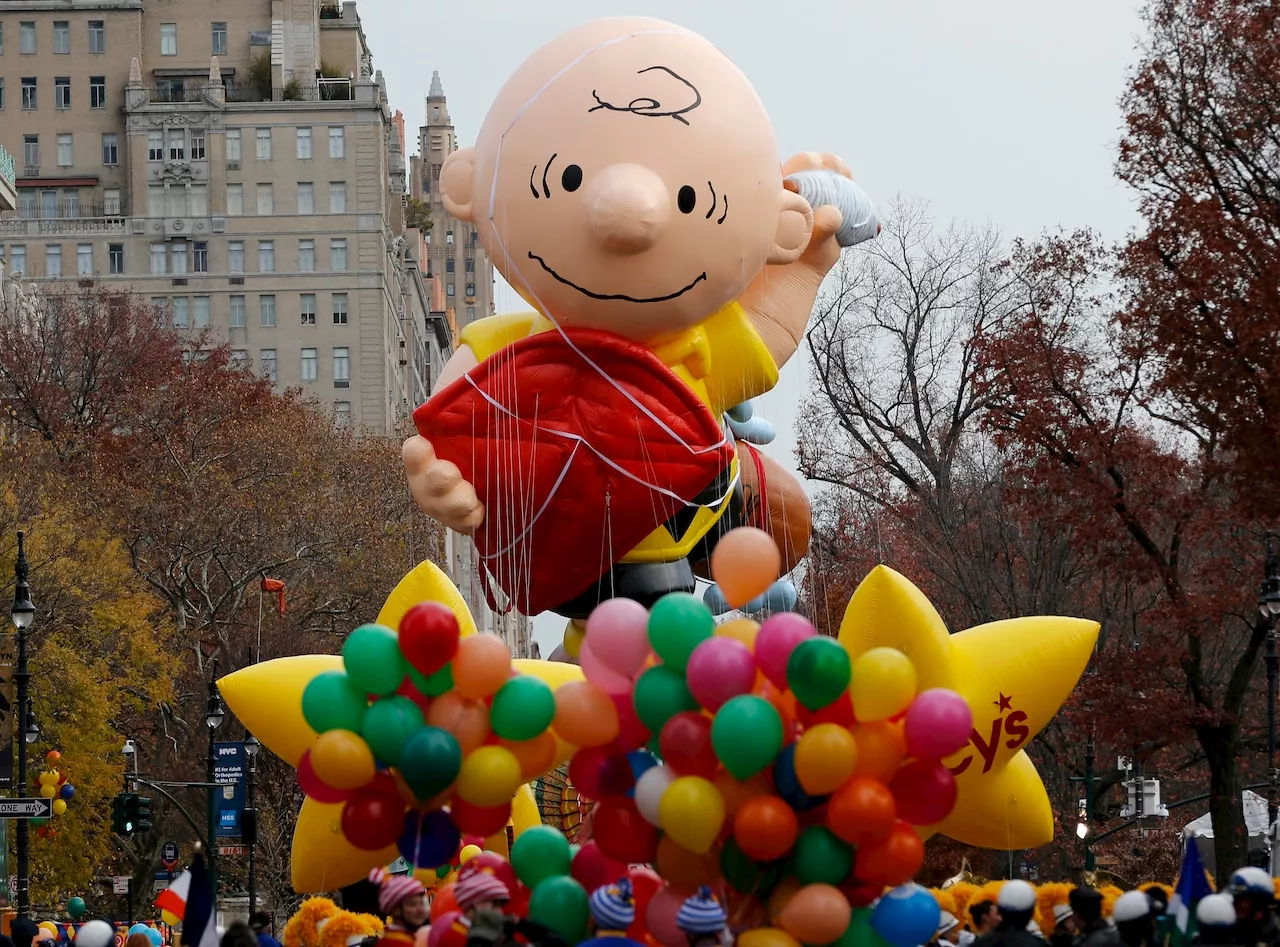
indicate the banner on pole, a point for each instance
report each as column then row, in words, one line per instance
column 229, row 767
column 8, row 710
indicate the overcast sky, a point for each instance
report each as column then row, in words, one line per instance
column 1000, row 111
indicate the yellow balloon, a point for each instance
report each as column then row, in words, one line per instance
column 740, row 629
column 342, row 760
column 48, row 791
column 825, row 757
column 59, row 806
column 468, row 852
column 426, row 583
column 426, row 877
column 489, row 776
column 883, row 685
column 574, row 635
column 1015, row 674
column 692, row 813
column 170, row 918
column 766, row 937
column 48, row 779
column 49, row 926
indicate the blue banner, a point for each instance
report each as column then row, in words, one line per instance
column 229, row 767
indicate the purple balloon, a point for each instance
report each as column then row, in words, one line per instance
column 777, row 638
column 938, row 723
column 428, row 839
column 718, row 669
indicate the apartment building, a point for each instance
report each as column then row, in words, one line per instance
column 235, row 163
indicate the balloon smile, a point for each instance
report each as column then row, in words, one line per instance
column 622, row 296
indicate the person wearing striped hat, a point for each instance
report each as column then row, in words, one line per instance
column 613, row 911
column 402, row 898
column 703, row 920
column 481, row 897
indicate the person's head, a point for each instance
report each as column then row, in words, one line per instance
column 948, row 929
column 627, row 179
column 613, row 907
column 986, row 916
column 23, row 930
column 260, row 921
column 1064, row 919
column 1215, row 919
column 1086, row 904
column 702, row 919
column 137, row 940
column 1017, row 902
column 1135, row 920
column 237, row 935
column 480, row 890
column 1254, row 894
column 401, row 897
column 1159, row 899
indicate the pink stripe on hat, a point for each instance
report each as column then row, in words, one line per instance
column 478, row 887
column 394, row 889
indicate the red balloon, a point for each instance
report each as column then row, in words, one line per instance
column 372, row 820
column 925, row 792
column 617, row 778
column 585, row 770
column 443, row 901
column 685, row 743
column 645, row 883
column 622, row 833
column 429, row 637
column 632, row 734
column 893, row 859
column 861, row 893
column 314, row 786
column 593, row 869
column 839, row 711
column 479, row 820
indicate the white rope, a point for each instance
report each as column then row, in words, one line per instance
column 822, row 188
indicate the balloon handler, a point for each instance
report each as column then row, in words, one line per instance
column 627, row 184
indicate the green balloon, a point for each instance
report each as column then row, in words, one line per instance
column 436, row 684
column 371, row 655
column 331, row 703
column 76, row 908
column 561, row 904
column 745, row 875
column 818, row 671
column 678, row 623
column 522, row 708
column 388, row 725
column 821, row 858
column 430, row 760
column 539, row 854
column 860, row 933
column 661, row 693
column 746, row 734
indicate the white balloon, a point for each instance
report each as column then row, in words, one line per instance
column 96, row 934
column 650, row 788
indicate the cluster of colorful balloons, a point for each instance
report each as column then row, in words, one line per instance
column 53, row 785
column 424, row 735
column 762, row 755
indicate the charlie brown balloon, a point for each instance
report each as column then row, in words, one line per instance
column 627, row 183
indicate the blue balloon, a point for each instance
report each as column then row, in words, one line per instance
column 67, row 792
column 428, row 839
column 788, row 786
column 157, row 939
column 138, row 929
column 906, row 916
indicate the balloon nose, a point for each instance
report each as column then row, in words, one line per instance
column 627, row 207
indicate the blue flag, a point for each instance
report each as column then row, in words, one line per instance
column 1192, row 885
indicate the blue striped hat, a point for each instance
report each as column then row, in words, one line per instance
column 613, row 907
column 702, row 914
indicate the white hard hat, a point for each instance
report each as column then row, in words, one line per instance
column 1017, row 895
column 1216, row 910
column 1061, row 912
column 1130, row 906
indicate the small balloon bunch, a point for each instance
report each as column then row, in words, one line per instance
column 53, row 785
column 764, row 756
column 424, row 735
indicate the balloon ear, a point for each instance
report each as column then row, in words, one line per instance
column 795, row 223
column 458, row 184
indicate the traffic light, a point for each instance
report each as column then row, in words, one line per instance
column 137, row 813
column 120, row 821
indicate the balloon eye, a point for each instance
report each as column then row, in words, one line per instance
column 571, row 178
column 687, row 199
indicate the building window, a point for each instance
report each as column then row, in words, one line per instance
column 338, row 255
column 84, row 259
column 197, row 144
column 306, row 256
column 267, row 311
column 179, row 253
column 342, row 367
column 157, row 259
column 31, row 152
column 235, row 256
column 180, row 312
column 110, row 149
column 111, row 201
column 235, row 200
column 115, row 258
column 339, row 309
column 337, row 197
column 471, row 314
column 218, row 40
column 471, row 289
column 53, row 260
column 448, row 290
column 1, row 91
column 97, row 36
column 161, row 303
column 1, row 53
column 266, row 257
column 233, row 144
column 200, row 257
column 66, row 151
column 307, row 305
column 342, row 414
column 155, row 146
column 304, row 143
column 309, row 361
column 168, row 39
column 237, row 312
column 62, row 92
column 266, row 200
column 18, row 260
column 200, row 312
column 470, row 264
column 239, row 358
column 262, row 138
column 70, row 204
column 448, row 238
column 27, row 38
column 306, row 198
column 337, row 142
column 177, row 144
column 29, row 93
column 268, row 359
column 61, row 38
column 449, row 266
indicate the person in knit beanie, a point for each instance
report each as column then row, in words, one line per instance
column 402, row 898
column 613, row 911
column 703, row 920
column 481, row 897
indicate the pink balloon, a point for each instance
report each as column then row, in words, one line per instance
column 618, row 631
column 775, row 641
column 938, row 723
column 718, row 669
column 439, row 927
column 599, row 673
column 660, row 915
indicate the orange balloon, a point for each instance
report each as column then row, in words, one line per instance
column 740, row 629
column 765, row 828
column 781, row 896
column 736, row 792
column 893, row 859
column 818, row 914
column 784, row 702
column 744, row 564
column 585, row 715
column 467, row 720
column 481, row 666
column 863, row 809
column 684, row 868
column 881, row 749
column 443, row 902
column 342, row 759
column 536, row 755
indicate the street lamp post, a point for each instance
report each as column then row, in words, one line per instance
column 214, row 714
column 23, row 614
column 1084, row 829
column 1269, row 606
column 251, row 747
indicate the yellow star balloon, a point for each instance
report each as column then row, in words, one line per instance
column 1015, row 675
column 267, row 699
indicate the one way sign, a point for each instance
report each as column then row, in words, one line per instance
column 25, row 808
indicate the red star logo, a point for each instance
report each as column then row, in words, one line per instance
column 1004, row 703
